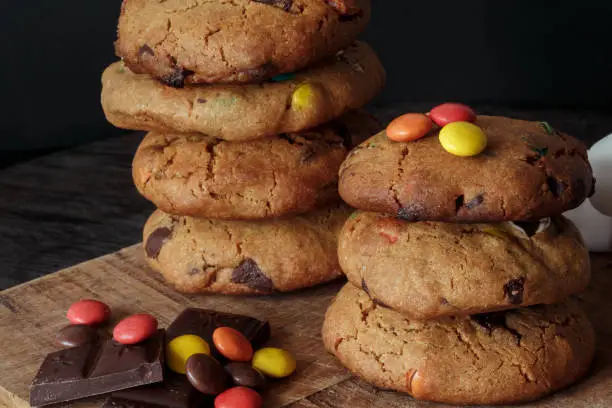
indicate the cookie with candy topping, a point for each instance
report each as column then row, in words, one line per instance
column 198, row 255
column 528, row 171
column 188, row 42
column 291, row 103
column 427, row 270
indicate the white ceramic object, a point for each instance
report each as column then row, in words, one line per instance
column 600, row 156
column 595, row 227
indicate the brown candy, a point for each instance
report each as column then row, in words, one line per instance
column 245, row 375
column 76, row 335
column 206, row 374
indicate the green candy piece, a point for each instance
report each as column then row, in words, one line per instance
column 283, row 77
column 353, row 216
column 549, row 129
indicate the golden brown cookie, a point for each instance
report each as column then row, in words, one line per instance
column 430, row 269
column 528, row 171
column 499, row 358
column 191, row 41
column 245, row 112
column 198, row 255
column 200, row 176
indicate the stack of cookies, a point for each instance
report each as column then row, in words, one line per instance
column 461, row 266
column 251, row 106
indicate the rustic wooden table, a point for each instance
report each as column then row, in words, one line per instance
column 74, row 205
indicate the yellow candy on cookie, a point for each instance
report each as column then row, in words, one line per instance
column 181, row 348
column 304, row 97
column 463, row 139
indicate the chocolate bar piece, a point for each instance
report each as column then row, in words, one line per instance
column 174, row 392
column 97, row 368
column 203, row 323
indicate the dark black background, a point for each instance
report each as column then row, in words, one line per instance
column 519, row 53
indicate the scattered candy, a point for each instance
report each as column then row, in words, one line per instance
column 409, row 127
column 274, row 362
column 447, row 113
column 181, row 348
column 463, row 139
column 245, row 375
column 76, row 335
column 283, row 77
column 206, row 374
column 135, row 329
column 303, row 97
column 239, row 397
column 232, row 344
column 89, row 312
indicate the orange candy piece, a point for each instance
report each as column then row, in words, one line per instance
column 232, row 344
column 409, row 127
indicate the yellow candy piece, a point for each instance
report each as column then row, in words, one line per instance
column 181, row 348
column 303, row 97
column 495, row 232
column 463, row 139
column 274, row 362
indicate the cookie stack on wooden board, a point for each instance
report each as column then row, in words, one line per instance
column 251, row 106
column 461, row 267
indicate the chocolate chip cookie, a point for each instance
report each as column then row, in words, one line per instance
column 499, row 358
column 186, row 41
column 292, row 173
column 430, row 269
column 199, row 255
column 528, row 171
column 245, row 112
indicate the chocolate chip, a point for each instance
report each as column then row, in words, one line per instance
column 555, row 186
column 513, row 291
column 475, row 202
column 408, row 214
column 282, row 4
column 491, row 321
column 194, row 271
column 156, row 241
column 145, row 50
column 459, row 202
column 249, row 273
column 307, row 154
column 201, row 100
column 177, row 78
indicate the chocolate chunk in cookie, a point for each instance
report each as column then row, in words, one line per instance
column 249, row 273
column 513, row 290
column 156, row 241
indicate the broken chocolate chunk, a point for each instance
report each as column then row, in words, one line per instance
column 555, row 186
column 156, row 241
column 249, row 273
column 513, row 291
column 282, row 4
column 176, row 79
column 491, row 321
column 459, row 201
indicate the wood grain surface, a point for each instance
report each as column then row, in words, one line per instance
column 31, row 315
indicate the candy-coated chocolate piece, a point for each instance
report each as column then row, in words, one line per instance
column 135, row 329
column 447, row 113
column 181, row 348
column 232, row 344
column 244, row 375
column 463, row 139
column 274, row 362
column 239, row 397
column 409, row 127
column 283, row 77
column 303, row 97
column 89, row 312
column 206, row 374
column 76, row 335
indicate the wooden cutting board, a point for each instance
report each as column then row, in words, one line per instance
column 31, row 315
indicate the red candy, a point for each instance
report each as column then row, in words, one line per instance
column 239, row 397
column 447, row 113
column 88, row 312
column 409, row 127
column 135, row 329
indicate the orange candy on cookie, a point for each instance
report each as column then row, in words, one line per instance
column 409, row 127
